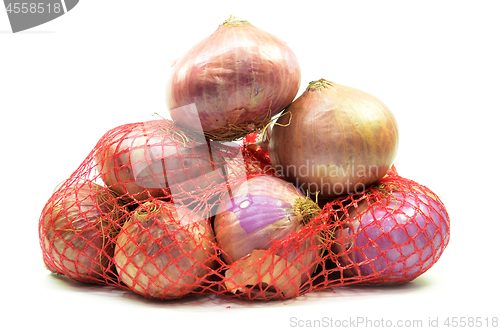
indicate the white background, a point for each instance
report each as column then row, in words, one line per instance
column 105, row 63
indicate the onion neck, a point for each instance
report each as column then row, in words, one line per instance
column 233, row 20
column 307, row 208
column 318, row 84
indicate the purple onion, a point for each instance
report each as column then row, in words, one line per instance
column 393, row 240
column 265, row 214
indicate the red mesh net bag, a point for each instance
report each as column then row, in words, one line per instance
column 76, row 229
column 137, row 212
column 388, row 234
column 167, row 214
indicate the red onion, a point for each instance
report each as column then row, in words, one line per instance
column 392, row 240
column 75, row 230
column 164, row 251
column 263, row 214
column 154, row 159
column 232, row 82
column 334, row 140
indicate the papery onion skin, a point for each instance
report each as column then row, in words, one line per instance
column 76, row 228
column 164, row 251
column 238, row 78
column 394, row 240
column 262, row 275
column 137, row 161
column 334, row 140
column 259, row 213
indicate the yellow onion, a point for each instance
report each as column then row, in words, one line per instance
column 232, row 82
column 76, row 227
column 164, row 251
column 334, row 140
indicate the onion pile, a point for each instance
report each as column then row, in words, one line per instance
column 164, row 251
column 76, row 228
column 188, row 208
column 257, row 219
column 232, row 82
column 334, row 140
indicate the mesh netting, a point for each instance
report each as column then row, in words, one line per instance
column 168, row 214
